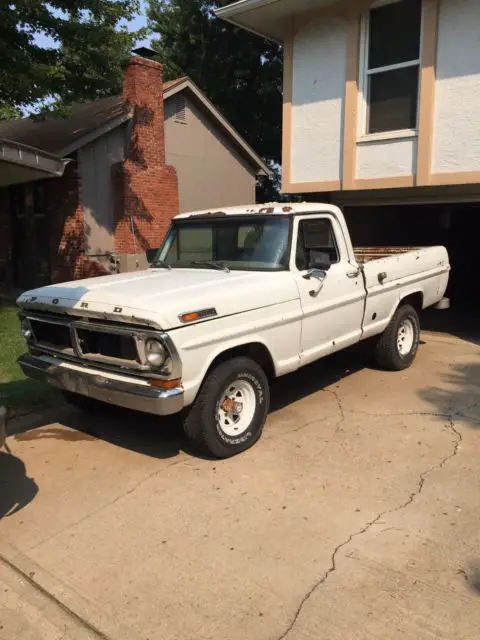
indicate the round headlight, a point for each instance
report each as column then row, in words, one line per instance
column 27, row 329
column 155, row 353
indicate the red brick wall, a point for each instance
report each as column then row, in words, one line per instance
column 149, row 188
column 66, row 228
column 146, row 189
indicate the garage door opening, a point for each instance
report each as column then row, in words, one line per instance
column 456, row 226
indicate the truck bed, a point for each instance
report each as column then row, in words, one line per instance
column 366, row 254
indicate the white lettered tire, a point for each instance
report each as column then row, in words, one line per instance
column 231, row 408
column 397, row 347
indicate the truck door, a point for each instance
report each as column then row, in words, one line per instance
column 332, row 292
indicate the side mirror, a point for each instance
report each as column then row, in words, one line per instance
column 316, row 274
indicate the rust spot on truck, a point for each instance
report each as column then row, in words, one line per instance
column 266, row 210
column 287, row 209
column 209, row 213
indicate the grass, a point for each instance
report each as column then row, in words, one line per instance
column 19, row 394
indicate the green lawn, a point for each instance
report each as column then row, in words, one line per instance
column 19, row 394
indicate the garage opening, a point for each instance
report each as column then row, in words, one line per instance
column 456, row 226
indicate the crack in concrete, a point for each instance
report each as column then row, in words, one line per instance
column 340, row 411
column 456, row 441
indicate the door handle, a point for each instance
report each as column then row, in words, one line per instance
column 353, row 274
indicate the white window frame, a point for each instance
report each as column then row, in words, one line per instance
column 364, row 74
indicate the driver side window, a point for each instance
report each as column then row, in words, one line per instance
column 316, row 241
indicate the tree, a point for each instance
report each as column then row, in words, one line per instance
column 240, row 73
column 83, row 59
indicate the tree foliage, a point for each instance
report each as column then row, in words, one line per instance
column 87, row 45
column 240, row 73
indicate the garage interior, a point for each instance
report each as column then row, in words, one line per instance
column 424, row 216
column 454, row 225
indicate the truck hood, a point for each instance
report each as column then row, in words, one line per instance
column 156, row 297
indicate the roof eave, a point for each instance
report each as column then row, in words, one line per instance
column 106, row 127
column 268, row 18
column 31, row 158
column 231, row 12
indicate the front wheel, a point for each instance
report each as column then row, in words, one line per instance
column 228, row 414
column 398, row 345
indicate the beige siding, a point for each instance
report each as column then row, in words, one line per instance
column 96, row 162
column 211, row 173
column 456, row 137
column 319, row 61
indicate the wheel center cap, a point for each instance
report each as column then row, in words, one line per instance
column 229, row 405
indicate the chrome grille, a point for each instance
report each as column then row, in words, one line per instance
column 110, row 345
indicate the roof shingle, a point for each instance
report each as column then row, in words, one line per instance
column 55, row 134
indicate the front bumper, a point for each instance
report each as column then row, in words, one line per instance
column 120, row 390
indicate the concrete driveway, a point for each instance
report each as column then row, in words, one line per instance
column 356, row 516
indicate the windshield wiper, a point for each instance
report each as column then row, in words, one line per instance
column 160, row 264
column 210, row 263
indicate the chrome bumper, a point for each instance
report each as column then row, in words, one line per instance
column 122, row 392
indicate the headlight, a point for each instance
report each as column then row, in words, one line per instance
column 27, row 329
column 155, row 353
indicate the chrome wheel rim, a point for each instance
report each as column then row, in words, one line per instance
column 236, row 408
column 405, row 337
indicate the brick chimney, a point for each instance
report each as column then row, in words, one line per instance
column 149, row 187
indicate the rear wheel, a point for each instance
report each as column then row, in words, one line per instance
column 228, row 414
column 397, row 346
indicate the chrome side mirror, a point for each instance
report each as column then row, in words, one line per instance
column 317, row 274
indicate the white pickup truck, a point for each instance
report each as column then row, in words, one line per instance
column 233, row 299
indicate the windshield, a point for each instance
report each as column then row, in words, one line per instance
column 243, row 243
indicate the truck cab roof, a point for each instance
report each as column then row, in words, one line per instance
column 275, row 208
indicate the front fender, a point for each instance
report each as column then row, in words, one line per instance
column 276, row 328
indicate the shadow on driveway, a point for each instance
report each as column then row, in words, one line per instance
column 16, row 488
column 459, row 394
column 460, row 322
column 163, row 438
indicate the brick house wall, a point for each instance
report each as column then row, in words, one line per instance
column 146, row 190
column 64, row 216
column 148, row 187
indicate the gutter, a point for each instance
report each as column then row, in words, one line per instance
column 32, row 158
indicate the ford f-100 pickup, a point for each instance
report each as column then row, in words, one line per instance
column 233, row 299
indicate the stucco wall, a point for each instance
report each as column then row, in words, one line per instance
column 386, row 158
column 211, row 173
column 318, row 90
column 457, row 102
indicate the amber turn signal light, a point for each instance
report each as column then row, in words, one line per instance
column 165, row 385
column 189, row 317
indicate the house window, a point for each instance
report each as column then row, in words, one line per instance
column 391, row 66
column 180, row 109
